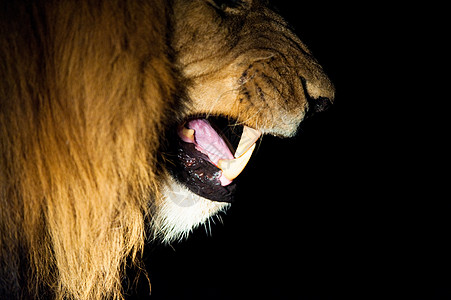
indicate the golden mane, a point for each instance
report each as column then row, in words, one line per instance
column 82, row 107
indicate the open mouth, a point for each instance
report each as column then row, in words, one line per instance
column 210, row 153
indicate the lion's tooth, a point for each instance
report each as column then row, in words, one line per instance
column 248, row 138
column 188, row 133
column 231, row 168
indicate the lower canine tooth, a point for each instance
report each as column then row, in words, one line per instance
column 231, row 168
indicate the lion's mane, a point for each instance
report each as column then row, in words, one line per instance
column 84, row 93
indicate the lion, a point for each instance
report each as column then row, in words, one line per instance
column 122, row 121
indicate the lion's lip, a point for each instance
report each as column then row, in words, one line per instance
column 207, row 161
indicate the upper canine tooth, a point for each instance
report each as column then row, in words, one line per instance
column 231, row 168
column 248, row 138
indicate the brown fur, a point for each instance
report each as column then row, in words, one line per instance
column 87, row 90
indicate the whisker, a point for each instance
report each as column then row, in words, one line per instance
column 251, row 117
column 215, row 102
column 208, row 227
column 219, row 217
column 263, row 58
column 259, row 142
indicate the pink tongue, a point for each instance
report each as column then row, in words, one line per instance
column 210, row 143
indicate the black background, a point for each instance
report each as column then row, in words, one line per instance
column 351, row 207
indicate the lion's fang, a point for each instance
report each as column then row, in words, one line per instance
column 231, row 168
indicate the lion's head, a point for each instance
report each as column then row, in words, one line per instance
column 240, row 62
column 116, row 114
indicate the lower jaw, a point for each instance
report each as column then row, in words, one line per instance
column 181, row 211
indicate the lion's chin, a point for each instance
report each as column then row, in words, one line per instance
column 181, row 211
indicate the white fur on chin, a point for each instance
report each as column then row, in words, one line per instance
column 182, row 211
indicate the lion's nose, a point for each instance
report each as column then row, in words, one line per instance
column 319, row 90
column 317, row 105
